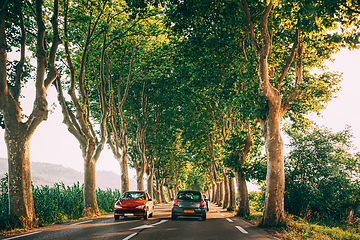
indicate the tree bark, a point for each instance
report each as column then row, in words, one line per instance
column 90, row 207
column 124, row 168
column 170, row 193
column 243, row 204
column 275, row 177
column 162, row 194
column 20, row 193
column 226, row 190
column 150, row 179
column 218, row 194
column 232, row 197
column 157, row 193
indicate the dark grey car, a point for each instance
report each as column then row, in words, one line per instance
column 189, row 203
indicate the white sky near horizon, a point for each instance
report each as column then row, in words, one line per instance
column 52, row 143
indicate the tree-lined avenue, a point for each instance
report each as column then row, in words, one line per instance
column 219, row 225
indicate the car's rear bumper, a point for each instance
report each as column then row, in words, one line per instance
column 136, row 212
column 198, row 212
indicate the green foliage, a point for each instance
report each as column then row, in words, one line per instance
column 58, row 203
column 257, row 200
column 196, row 178
column 55, row 204
column 6, row 221
column 322, row 174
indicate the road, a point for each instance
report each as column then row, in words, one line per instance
column 219, row 225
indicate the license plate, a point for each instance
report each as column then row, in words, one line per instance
column 128, row 214
column 189, row 211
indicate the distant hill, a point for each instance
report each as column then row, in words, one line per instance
column 49, row 174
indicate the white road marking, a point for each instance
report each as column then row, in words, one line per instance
column 141, row 227
column 81, row 222
column 229, row 220
column 241, row 230
column 24, row 235
column 162, row 221
column 130, row 236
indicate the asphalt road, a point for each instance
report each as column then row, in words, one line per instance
column 219, row 225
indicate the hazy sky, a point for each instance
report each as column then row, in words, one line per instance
column 52, row 143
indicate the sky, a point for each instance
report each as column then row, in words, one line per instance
column 52, row 143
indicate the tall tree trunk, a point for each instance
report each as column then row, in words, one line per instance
column 243, row 199
column 226, row 191
column 157, row 193
column 20, row 193
column 173, row 193
column 124, row 168
column 275, row 177
column 150, row 179
column 221, row 196
column 91, row 206
column 169, row 190
column 217, row 193
column 176, row 183
column 140, row 181
column 213, row 191
column 232, row 195
column 162, row 194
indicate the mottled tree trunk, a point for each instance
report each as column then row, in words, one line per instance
column 20, row 193
column 226, row 191
column 162, row 194
column 90, row 203
column 170, row 193
column 150, row 179
column 221, row 196
column 243, row 204
column 232, row 195
column 275, row 177
column 125, row 184
column 157, row 192
column 218, row 193
column 140, row 181
column 213, row 191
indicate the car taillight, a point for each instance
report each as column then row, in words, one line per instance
column 176, row 202
column 202, row 203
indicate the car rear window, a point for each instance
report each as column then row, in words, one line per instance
column 189, row 195
column 133, row 196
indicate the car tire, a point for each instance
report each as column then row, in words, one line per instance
column 152, row 213
column 146, row 215
column 116, row 217
column 173, row 217
column 203, row 218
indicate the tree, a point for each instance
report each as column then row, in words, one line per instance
column 321, row 172
column 17, row 132
column 274, row 79
column 77, row 113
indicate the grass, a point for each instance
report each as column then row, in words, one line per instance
column 297, row 228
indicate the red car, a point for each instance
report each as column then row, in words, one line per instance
column 134, row 203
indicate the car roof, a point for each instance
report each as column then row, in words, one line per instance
column 136, row 191
column 189, row 191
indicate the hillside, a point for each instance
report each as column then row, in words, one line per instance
column 49, row 174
